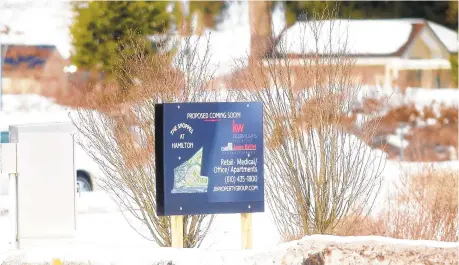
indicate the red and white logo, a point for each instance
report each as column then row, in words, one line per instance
column 239, row 147
column 238, row 127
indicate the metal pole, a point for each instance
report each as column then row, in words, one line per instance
column 2, row 57
column 1, row 76
column 13, row 210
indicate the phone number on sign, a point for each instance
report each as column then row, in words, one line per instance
column 240, row 179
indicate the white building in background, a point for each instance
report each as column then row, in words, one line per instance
column 387, row 52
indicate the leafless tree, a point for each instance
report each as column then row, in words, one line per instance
column 318, row 167
column 117, row 128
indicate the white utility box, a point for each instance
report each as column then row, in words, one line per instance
column 46, row 182
column 8, row 158
column 8, row 167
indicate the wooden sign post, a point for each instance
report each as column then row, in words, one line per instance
column 177, row 231
column 246, row 230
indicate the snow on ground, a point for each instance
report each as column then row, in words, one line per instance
column 26, row 108
column 432, row 97
column 395, row 140
column 421, row 97
column 95, row 208
column 26, row 103
column 413, row 167
column 98, row 218
column 103, row 237
column 335, row 250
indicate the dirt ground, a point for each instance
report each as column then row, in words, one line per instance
column 375, row 253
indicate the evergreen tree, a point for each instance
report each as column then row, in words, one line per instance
column 100, row 27
column 442, row 12
column 454, row 69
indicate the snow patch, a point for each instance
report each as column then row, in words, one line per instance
column 341, row 250
column 379, row 239
column 419, row 97
column 396, row 141
column 425, row 97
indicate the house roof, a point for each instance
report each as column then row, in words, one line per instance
column 447, row 36
column 366, row 38
column 26, row 56
column 18, row 38
column 360, row 37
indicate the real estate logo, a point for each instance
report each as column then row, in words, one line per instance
column 238, row 127
column 239, row 147
column 229, row 147
column 241, row 141
column 238, row 133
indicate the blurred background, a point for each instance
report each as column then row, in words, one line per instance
column 53, row 51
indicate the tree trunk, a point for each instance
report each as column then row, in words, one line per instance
column 200, row 25
column 260, row 17
column 183, row 22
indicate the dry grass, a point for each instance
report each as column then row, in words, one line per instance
column 392, row 119
column 448, row 115
column 424, row 207
column 423, row 140
column 371, row 105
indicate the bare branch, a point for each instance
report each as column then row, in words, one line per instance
column 117, row 129
column 317, row 171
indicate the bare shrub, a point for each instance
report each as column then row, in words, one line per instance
column 424, row 206
column 117, row 129
column 316, row 172
column 371, row 105
column 361, row 226
column 432, row 142
column 448, row 115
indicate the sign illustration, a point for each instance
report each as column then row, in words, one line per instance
column 209, row 158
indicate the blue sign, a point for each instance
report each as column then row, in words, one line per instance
column 209, row 158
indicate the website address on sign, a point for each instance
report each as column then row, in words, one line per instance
column 236, row 188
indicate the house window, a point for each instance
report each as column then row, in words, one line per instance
column 419, row 77
column 437, row 81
